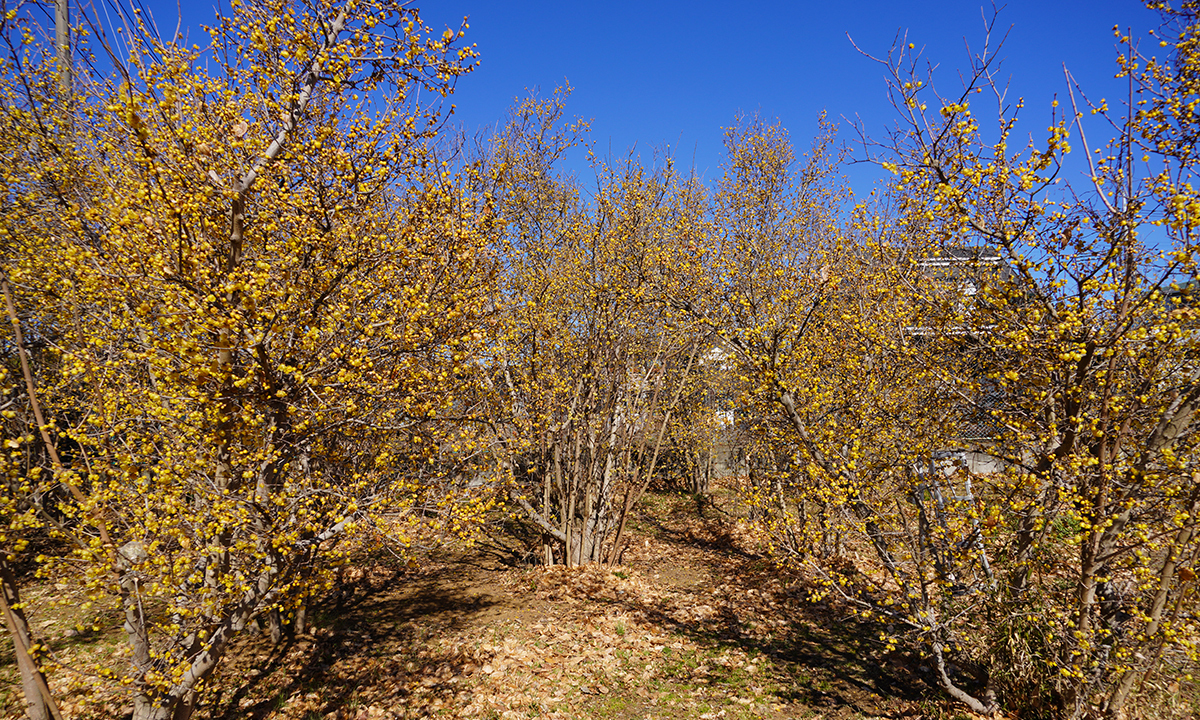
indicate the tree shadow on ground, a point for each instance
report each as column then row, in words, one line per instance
column 718, row 539
column 361, row 635
column 376, row 643
column 825, row 660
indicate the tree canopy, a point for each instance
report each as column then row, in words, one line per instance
column 267, row 305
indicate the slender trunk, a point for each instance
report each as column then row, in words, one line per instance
column 275, row 626
column 598, row 517
column 552, row 471
column 1166, row 579
column 1032, row 524
column 145, row 708
column 614, row 552
column 1086, row 587
column 300, row 622
column 569, row 530
column 178, row 701
column 39, row 703
column 863, row 511
column 185, row 707
column 43, row 426
column 944, row 681
column 636, row 490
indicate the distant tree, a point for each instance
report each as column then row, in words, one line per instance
column 589, row 364
column 816, row 300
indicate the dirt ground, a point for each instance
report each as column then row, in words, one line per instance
column 696, row 623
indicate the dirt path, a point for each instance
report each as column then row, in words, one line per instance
column 695, row 624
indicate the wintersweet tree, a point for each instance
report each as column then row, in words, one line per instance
column 589, row 365
column 1085, row 352
column 259, row 280
column 705, row 429
column 20, row 524
column 826, row 313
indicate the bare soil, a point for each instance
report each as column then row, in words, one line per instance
column 696, row 623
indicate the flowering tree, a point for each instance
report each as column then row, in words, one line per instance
column 1086, row 348
column 589, row 365
column 259, row 282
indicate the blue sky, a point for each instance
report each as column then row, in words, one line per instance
column 659, row 73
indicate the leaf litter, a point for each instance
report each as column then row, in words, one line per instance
column 696, row 623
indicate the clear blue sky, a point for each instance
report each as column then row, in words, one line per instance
column 660, row 73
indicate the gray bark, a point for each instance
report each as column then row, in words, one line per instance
column 39, row 703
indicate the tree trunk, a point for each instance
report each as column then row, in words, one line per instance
column 986, row 706
column 300, row 622
column 275, row 626
column 175, row 708
column 39, row 704
column 1115, row 705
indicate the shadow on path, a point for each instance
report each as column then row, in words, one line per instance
column 361, row 633
column 828, row 662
